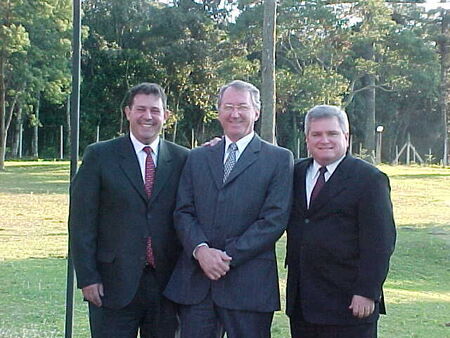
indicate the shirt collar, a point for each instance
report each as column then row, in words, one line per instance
column 138, row 145
column 330, row 167
column 241, row 143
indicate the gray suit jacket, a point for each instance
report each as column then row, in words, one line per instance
column 244, row 216
column 111, row 217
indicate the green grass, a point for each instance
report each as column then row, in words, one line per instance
column 33, row 246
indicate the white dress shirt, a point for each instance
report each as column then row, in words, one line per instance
column 241, row 145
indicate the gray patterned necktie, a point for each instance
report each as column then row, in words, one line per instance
column 230, row 162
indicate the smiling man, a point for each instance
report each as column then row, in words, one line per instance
column 340, row 236
column 122, row 238
column 233, row 205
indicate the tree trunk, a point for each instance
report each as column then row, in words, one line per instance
column 2, row 112
column 35, row 135
column 369, row 99
column 17, row 133
column 444, row 100
column 268, row 72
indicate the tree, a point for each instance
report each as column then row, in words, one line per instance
column 444, row 102
column 30, row 65
column 15, row 42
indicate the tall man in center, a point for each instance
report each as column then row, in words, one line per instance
column 233, row 205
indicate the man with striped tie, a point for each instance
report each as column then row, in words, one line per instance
column 233, row 205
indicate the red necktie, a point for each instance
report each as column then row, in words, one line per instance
column 319, row 184
column 148, row 186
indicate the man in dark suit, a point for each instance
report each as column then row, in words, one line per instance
column 233, row 205
column 122, row 238
column 341, row 235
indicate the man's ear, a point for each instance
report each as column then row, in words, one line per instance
column 258, row 114
column 127, row 111
column 167, row 113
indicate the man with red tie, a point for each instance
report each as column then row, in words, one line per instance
column 340, row 235
column 122, row 238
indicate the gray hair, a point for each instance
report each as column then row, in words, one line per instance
column 244, row 86
column 326, row 112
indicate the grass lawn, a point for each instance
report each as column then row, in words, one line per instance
column 33, row 246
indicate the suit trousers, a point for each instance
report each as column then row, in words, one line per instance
column 149, row 312
column 208, row 320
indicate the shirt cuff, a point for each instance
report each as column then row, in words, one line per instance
column 197, row 247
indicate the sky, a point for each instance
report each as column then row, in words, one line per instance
column 430, row 4
column 433, row 4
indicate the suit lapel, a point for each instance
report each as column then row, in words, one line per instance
column 300, row 182
column 163, row 169
column 215, row 162
column 130, row 165
column 249, row 156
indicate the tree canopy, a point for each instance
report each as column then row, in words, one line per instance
column 380, row 60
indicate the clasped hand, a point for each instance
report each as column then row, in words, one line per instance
column 214, row 263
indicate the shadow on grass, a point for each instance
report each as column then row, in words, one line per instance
column 49, row 178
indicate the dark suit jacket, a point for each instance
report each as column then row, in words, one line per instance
column 111, row 217
column 243, row 216
column 341, row 246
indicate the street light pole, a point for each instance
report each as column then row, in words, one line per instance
column 379, row 143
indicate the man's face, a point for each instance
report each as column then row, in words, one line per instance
column 326, row 141
column 146, row 117
column 237, row 115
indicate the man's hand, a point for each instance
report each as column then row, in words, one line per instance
column 214, row 263
column 93, row 293
column 212, row 142
column 361, row 306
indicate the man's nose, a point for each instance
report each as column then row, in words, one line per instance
column 148, row 114
column 324, row 139
column 235, row 112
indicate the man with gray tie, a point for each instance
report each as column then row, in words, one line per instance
column 233, row 205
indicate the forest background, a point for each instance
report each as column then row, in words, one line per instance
column 385, row 62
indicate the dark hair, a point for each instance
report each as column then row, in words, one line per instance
column 244, row 86
column 147, row 89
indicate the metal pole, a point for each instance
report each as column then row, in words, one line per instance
column 61, row 142
column 74, row 145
